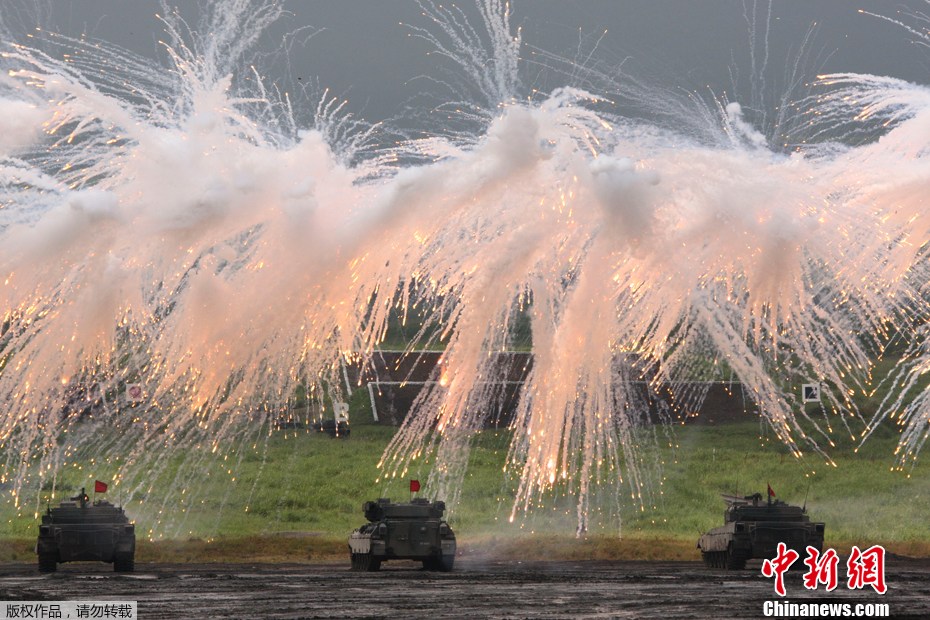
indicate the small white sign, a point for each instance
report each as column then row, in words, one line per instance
column 810, row 392
column 341, row 412
column 134, row 392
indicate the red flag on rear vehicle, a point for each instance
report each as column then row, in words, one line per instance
column 771, row 492
column 100, row 487
column 414, row 486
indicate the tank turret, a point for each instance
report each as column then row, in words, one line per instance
column 753, row 528
column 78, row 530
column 411, row 530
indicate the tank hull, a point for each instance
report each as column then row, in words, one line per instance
column 753, row 531
column 759, row 541
column 80, row 544
column 79, row 532
column 403, row 532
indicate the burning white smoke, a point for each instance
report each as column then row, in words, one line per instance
column 171, row 224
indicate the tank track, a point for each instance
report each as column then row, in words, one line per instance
column 365, row 562
column 727, row 560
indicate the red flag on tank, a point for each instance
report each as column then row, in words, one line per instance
column 771, row 492
column 100, row 487
column 414, row 486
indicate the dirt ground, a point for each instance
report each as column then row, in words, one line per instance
column 475, row 589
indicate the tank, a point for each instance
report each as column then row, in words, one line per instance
column 332, row 428
column 338, row 426
column 80, row 531
column 752, row 529
column 403, row 531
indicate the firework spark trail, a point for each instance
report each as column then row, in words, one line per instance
column 770, row 281
column 894, row 259
column 139, row 205
column 488, row 58
column 737, row 250
column 135, row 212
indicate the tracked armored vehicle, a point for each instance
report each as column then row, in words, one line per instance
column 338, row 426
column 403, row 531
column 78, row 530
column 753, row 528
column 332, row 428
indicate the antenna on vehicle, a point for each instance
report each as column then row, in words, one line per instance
column 809, row 482
column 736, row 490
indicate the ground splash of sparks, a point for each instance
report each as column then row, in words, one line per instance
column 175, row 226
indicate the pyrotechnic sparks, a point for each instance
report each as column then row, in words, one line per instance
column 173, row 227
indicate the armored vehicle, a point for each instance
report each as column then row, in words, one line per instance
column 753, row 528
column 403, row 531
column 332, row 428
column 338, row 426
column 77, row 530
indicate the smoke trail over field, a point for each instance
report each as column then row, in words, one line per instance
column 138, row 207
column 173, row 225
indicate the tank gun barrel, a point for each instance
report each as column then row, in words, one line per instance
column 741, row 500
column 732, row 499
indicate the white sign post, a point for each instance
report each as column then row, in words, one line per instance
column 134, row 392
column 810, row 392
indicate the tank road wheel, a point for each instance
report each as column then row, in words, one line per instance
column 444, row 563
column 124, row 562
column 705, row 557
column 736, row 560
column 47, row 563
column 367, row 563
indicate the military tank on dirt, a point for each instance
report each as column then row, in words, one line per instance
column 411, row 530
column 78, row 530
column 752, row 529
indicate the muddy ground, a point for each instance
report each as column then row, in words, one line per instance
column 475, row 589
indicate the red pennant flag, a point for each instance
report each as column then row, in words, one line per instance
column 100, row 487
column 771, row 492
column 414, row 486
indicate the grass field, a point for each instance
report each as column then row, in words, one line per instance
column 299, row 495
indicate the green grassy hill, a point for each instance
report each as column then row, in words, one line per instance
column 299, row 496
